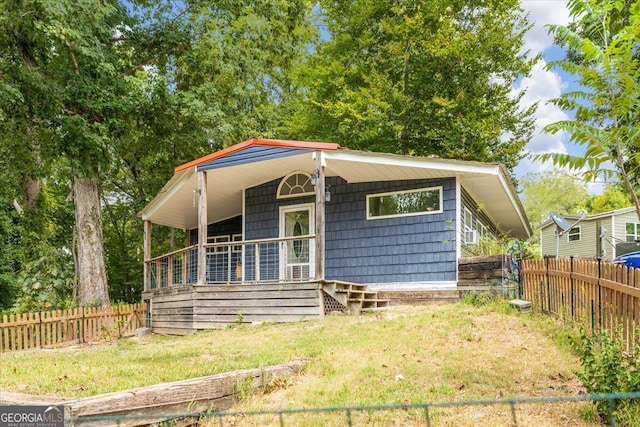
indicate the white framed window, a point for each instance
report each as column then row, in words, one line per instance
column 295, row 185
column 632, row 231
column 218, row 239
column 574, row 234
column 423, row 201
column 469, row 234
column 467, row 220
column 237, row 238
column 483, row 231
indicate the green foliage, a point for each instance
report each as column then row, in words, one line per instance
column 614, row 197
column 421, row 78
column 47, row 283
column 123, row 92
column 8, row 276
column 479, row 299
column 608, row 367
column 556, row 190
column 603, row 40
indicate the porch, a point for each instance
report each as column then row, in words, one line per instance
column 268, row 280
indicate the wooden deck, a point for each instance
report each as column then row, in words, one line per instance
column 185, row 309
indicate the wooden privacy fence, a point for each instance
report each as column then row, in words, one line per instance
column 62, row 327
column 596, row 293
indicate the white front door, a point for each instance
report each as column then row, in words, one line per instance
column 297, row 257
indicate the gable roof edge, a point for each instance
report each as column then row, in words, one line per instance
column 323, row 146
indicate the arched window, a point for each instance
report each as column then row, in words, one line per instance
column 295, row 185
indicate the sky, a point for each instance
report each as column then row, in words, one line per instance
column 542, row 85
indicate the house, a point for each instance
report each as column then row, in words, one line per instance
column 604, row 235
column 287, row 230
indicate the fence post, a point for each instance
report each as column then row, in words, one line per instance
column 82, row 328
column 599, row 293
column 548, row 285
column 118, row 321
column 572, row 287
column 41, row 328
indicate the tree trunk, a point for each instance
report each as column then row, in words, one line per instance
column 91, row 271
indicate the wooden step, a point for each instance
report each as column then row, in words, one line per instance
column 356, row 296
column 375, row 304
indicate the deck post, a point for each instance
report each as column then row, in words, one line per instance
column 146, row 250
column 319, row 216
column 202, row 227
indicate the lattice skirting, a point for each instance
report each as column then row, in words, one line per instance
column 332, row 305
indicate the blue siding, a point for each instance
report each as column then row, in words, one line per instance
column 249, row 155
column 417, row 248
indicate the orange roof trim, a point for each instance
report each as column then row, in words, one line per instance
column 324, row 146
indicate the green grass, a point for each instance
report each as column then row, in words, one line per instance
column 410, row 354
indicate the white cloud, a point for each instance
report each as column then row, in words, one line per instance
column 542, row 85
column 542, row 13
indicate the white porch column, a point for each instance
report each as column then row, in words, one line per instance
column 319, row 216
column 146, row 252
column 202, row 227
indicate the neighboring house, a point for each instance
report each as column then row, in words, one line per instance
column 283, row 230
column 604, row 235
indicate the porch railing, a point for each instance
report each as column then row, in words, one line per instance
column 251, row 261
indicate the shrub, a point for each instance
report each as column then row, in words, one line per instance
column 46, row 283
column 609, row 367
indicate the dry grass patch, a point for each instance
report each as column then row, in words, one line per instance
column 437, row 353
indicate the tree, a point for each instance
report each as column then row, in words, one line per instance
column 558, row 191
column 122, row 91
column 614, row 197
column 422, row 78
column 605, row 61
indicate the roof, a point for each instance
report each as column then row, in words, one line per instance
column 256, row 161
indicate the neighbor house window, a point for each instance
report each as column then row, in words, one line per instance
column 574, row 234
column 403, row 203
column 632, row 231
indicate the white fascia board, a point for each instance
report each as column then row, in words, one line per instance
column 175, row 184
column 456, row 166
column 515, row 202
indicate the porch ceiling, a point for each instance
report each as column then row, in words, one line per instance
column 487, row 183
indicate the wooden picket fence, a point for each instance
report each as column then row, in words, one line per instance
column 595, row 293
column 75, row 326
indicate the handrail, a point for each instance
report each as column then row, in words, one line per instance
column 177, row 267
column 270, row 240
column 171, row 253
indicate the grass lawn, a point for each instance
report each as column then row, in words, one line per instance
column 435, row 353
